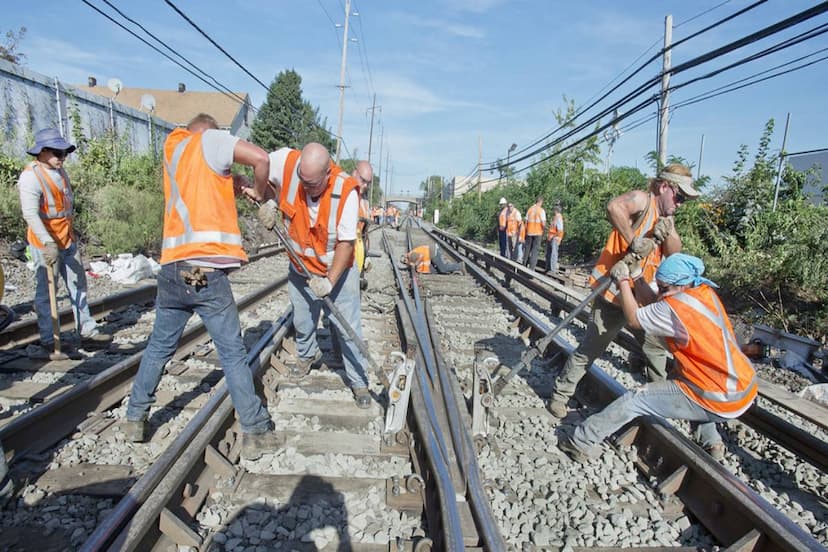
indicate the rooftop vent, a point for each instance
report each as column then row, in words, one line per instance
column 181, row 87
column 92, row 81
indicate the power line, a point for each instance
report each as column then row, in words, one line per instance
column 333, row 24
column 705, row 12
column 214, row 43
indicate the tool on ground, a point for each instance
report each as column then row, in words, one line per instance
column 482, row 395
column 50, row 277
column 500, row 382
column 399, row 392
column 329, row 304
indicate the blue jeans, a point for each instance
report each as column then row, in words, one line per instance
column 501, row 240
column 663, row 399
column 175, row 304
column 552, row 255
column 345, row 295
column 70, row 268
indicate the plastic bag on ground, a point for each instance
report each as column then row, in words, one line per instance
column 816, row 393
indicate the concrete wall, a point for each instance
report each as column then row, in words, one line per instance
column 31, row 101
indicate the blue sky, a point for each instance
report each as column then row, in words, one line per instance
column 448, row 71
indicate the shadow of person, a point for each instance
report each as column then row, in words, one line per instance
column 314, row 518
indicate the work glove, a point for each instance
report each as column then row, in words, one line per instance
column 268, row 214
column 50, row 254
column 625, row 270
column 663, row 228
column 642, row 247
column 320, row 286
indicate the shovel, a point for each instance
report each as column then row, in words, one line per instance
column 50, row 277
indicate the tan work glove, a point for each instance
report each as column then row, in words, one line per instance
column 663, row 228
column 642, row 247
column 50, row 253
column 320, row 286
column 622, row 270
column 268, row 214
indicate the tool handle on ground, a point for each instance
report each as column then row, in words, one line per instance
column 329, row 304
column 50, row 278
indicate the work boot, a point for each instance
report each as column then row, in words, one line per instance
column 717, row 451
column 96, row 340
column 567, row 446
column 40, row 352
column 558, row 409
column 254, row 445
column 362, row 397
column 304, row 365
column 135, row 430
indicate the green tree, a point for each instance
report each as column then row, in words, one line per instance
column 286, row 120
column 8, row 50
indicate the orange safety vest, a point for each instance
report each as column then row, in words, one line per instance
column 711, row 369
column 534, row 220
column 200, row 218
column 314, row 245
column 522, row 234
column 553, row 228
column 56, row 207
column 501, row 220
column 616, row 248
column 512, row 223
column 424, row 266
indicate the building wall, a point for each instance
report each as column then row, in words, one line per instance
column 31, row 101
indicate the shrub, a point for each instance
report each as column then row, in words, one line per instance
column 119, row 218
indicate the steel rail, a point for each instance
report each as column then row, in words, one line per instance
column 24, row 332
column 425, row 416
column 45, row 425
column 731, row 510
column 132, row 517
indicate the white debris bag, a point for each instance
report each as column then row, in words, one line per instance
column 128, row 269
column 816, row 393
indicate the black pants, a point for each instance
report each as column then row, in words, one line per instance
column 532, row 248
column 442, row 266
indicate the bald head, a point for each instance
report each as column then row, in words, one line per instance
column 314, row 168
column 364, row 174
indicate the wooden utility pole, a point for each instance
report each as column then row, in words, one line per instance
column 664, row 111
column 781, row 161
column 479, row 167
column 387, row 166
column 701, row 154
column 380, row 159
column 342, row 79
column 373, row 108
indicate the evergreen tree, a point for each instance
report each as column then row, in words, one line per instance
column 286, row 120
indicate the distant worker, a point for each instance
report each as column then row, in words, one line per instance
column 501, row 225
column 364, row 174
column 202, row 244
column 512, row 230
column 521, row 243
column 535, row 222
column 422, row 258
column 48, row 206
column 637, row 217
column 307, row 184
column 553, row 240
column 713, row 380
column 376, row 214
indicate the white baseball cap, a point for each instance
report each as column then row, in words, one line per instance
column 502, row 201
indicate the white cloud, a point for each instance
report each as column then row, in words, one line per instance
column 456, row 29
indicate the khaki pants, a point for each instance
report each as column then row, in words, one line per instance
column 604, row 324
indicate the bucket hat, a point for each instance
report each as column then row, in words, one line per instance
column 50, row 138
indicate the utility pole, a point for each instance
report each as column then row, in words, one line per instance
column 387, row 166
column 664, row 111
column 479, row 166
column 701, row 153
column 373, row 108
column 342, row 79
column 380, row 158
column 781, row 161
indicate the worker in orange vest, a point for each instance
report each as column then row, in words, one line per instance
column 202, row 244
column 521, row 242
column 553, row 239
column 320, row 204
column 713, row 380
column 422, row 258
column 637, row 217
column 47, row 203
column 501, row 225
column 512, row 231
column 535, row 222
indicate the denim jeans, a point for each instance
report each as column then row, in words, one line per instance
column 552, row 255
column 663, row 399
column 70, row 268
column 605, row 322
column 175, row 304
column 442, row 265
column 306, row 312
column 501, row 241
column 532, row 247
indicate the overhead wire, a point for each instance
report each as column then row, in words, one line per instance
column 702, row 14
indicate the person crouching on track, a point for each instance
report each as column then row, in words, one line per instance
column 202, row 244
column 637, row 217
column 713, row 380
column 422, row 258
column 320, row 203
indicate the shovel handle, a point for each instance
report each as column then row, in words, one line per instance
column 50, row 278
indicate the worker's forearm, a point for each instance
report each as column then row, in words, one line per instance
column 671, row 245
column 342, row 260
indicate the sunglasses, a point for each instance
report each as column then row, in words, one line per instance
column 678, row 197
column 60, row 154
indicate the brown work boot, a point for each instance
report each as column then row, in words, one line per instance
column 567, row 446
column 254, row 445
column 303, row 366
column 135, row 430
column 558, row 409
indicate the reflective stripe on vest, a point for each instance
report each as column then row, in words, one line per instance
column 175, row 200
column 534, row 220
column 50, row 202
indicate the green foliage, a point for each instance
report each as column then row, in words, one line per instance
column 11, row 219
column 285, row 119
column 9, row 49
column 118, row 218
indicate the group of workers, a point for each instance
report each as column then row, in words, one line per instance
column 658, row 292
column 520, row 239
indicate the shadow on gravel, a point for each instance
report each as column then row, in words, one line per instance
column 314, row 518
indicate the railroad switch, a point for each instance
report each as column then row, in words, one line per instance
column 482, row 395
column 399, row 392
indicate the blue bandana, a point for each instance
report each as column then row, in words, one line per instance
column 680, row 269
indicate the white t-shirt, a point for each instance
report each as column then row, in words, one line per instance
column 346, row 229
